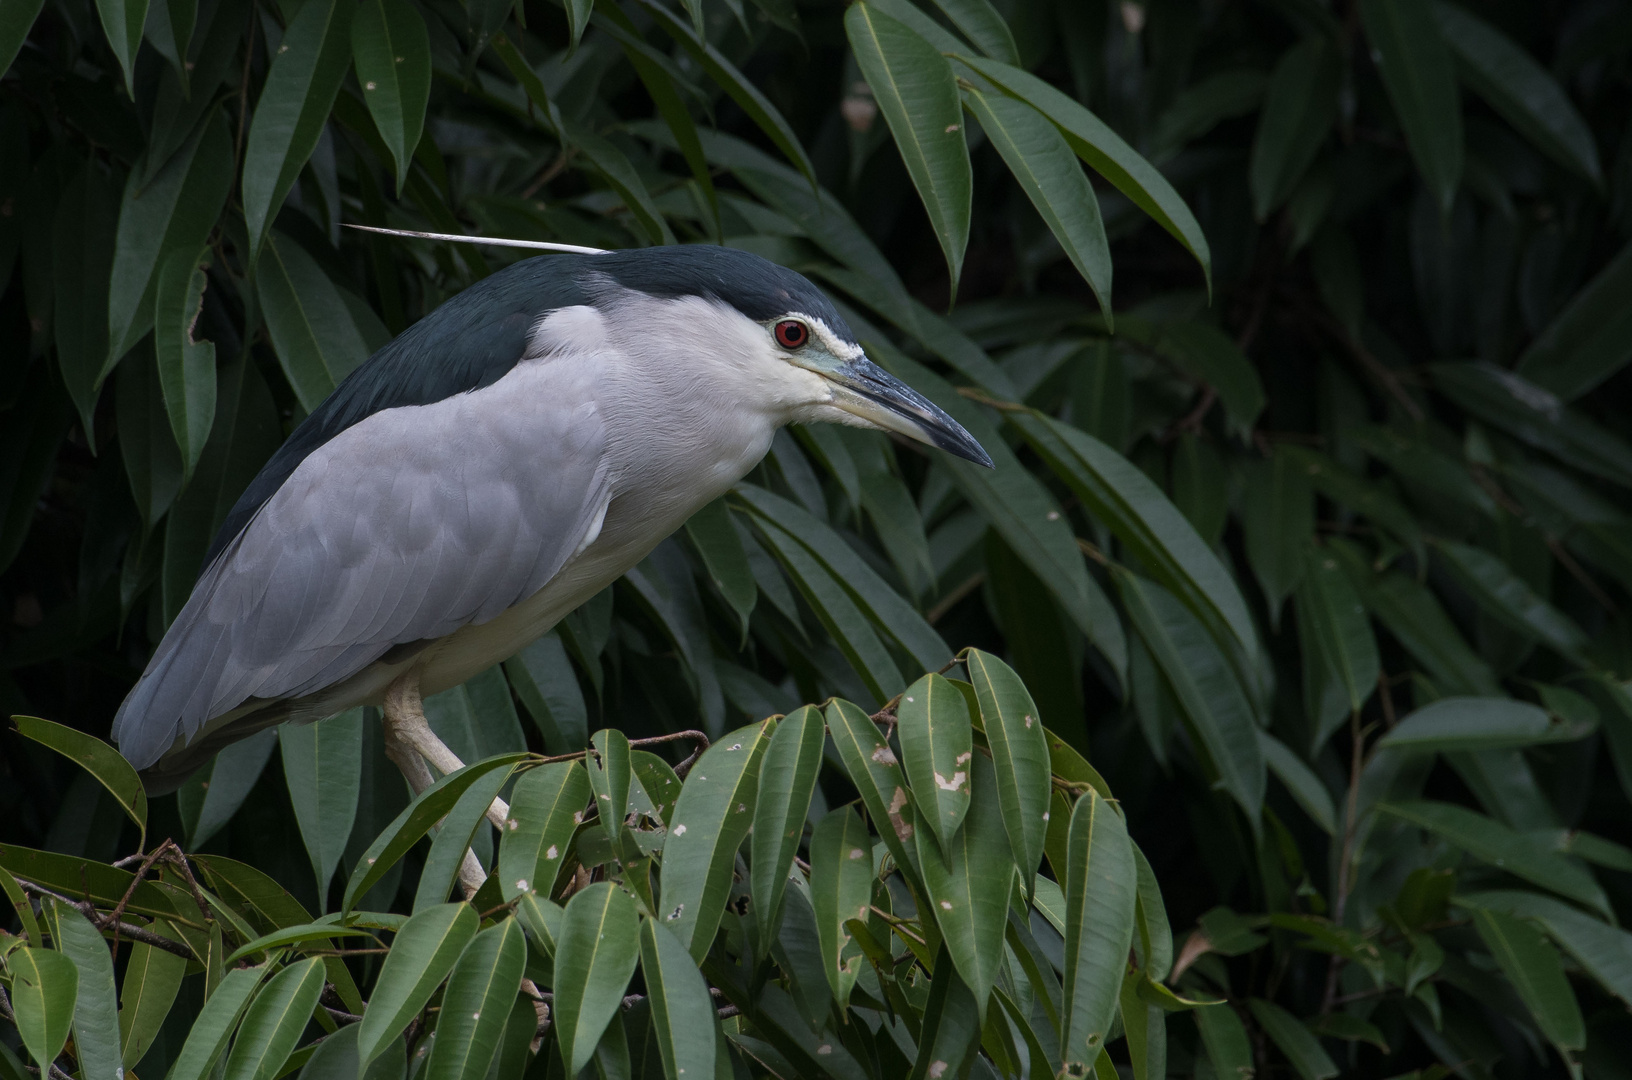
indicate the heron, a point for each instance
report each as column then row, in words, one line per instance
column 494, row 466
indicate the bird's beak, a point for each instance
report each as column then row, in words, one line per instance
column 864, row 389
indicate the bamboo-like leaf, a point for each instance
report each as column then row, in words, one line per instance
column 918, row 95
column 16, row 19
column 294, row 105
column 1471, row 723
column 293, row 935
column 423, row 953
column 312, row 330
column 453, row 839
column 1294, row 1040
column 274, row 1022
column 715, row 537
column 620, row 172
column 545, row 807
column 969, row 883
column 96, row 1005
column 216, row 1022
column 476, row 1004
column 841, row 889
column 96, row 757
column 1331, row 614
column 787, row 779
column 1416, row 69
column 1603, row 951
column 1019, row 744
column 1589, row 340
column 1278, row 517
column 1144, row 1027
column 1227, row 1043
column 122, row 21
column 713, row 815
column 981, row 23
column 1534, row 969
column 186, row 365
column 1508, row 599
column 877, row 775
column 323, row 765
column 1301, row 781
column 1047, row 169
column 595, row 954
column 608, row 770
column 951, row 1024
column 152, row 979
column 683, row 1017
column 1298, row 111
column 933, row 725
column 392, row 53
column 1100, row 895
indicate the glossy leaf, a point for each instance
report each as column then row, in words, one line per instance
column 1603, row 951
column 96, row 757
column 933, row 725
column 546, row 806
column 207, row 1039
column 841, row 889
column 609, row 776
column 453, row 839
column 475, row 1005
column 96, row 1005
column 1100, row 895
column 711, row 820
column 1299, row 110
column 1047, row 169
column 312, row 331
column 1536, row 972
column 392, row 54
column 877, row 775
column 1228, row 1046
column 294, row 105
column 322, row 764
column 918, row 95
column 44, row 988
column 1416, row 68
column 595, row 954
column 275, row 1021
column 422, row 954
column 152, row 979
column 787, row 779
column 981, row 23
column 1019, row 745
column 1301, row 781
column 543, row 679
column 683, row 1016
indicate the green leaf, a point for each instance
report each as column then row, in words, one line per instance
column 152, row 979
column 1118, row 494
column 1294, row 1040
column 1534, row 969
column 152, row 463
column 1215, row 707
column 1509, row 599
column 1106, row 154
column 1144, row 1029
column 1100, row 894
column 713, row 815
column 1349, row 490
column 423, row 953
column 578, row 12
column 1416, row 69
column 951, row 1024
column 392, row 53
column 1603, row 951
column 476, row 1003
column 714, row 535
column 841, row 889
column 1301, row 781
column 96, row 757
column 453, row 838
column 96, row 1006
column 1048, row 171
column 293, row 935
column 323, row 767
column 294, row 105
column 933, row 725
column 417, row 819
column 207, row 1038
column 164, row 212
column 1590, row 340
column 968, row 881
column 545, row 806
column 1278, row 517
column 683, row 1016
column 312, row 330
column 122, row 21
column 543, row 679
column 1299, row 109
column 608, row 768
column 1198, row 108
column 620, row 172
column 275, row 1021
column 1019, row 744
column 1329, row 609
column 186, row 366
column 980, row 22
column 82, row 237
column 16, row 19
column 1225, row 1037
column 595, row 954
column 873, row 769
column 787, row 779
column 225, row 786
column 1507, row 849
column 1474, row 723
column 918, row 95
column 1518, row 88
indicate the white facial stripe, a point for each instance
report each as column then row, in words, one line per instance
column 834, row 344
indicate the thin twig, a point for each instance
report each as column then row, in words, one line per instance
column 980, row 397
column 953, row 598
column 134, row 933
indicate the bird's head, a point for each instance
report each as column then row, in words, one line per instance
column 784, row 330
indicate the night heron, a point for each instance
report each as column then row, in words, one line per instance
column 499, row 463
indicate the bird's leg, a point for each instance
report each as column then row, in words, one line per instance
column 409, row 742
column 405, row 720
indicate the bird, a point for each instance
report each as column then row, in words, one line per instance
column 494, row 466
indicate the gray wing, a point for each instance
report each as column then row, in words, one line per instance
column 403, row 528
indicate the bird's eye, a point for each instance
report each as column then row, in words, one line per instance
column 791, row 333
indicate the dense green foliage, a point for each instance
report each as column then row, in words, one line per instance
column 1316, row 551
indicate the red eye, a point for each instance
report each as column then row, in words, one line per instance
column 791, row 333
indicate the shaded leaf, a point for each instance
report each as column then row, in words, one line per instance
column 392, row 54
column 312, row 330
column 595, row 953
column 323, row 767
column 275, row 1021
column 1416, row 68
column 1536, row 972
column 96, row 757
column 1299, row 109
column 423, row 953
column 475, row 1005
column 683, row 1017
